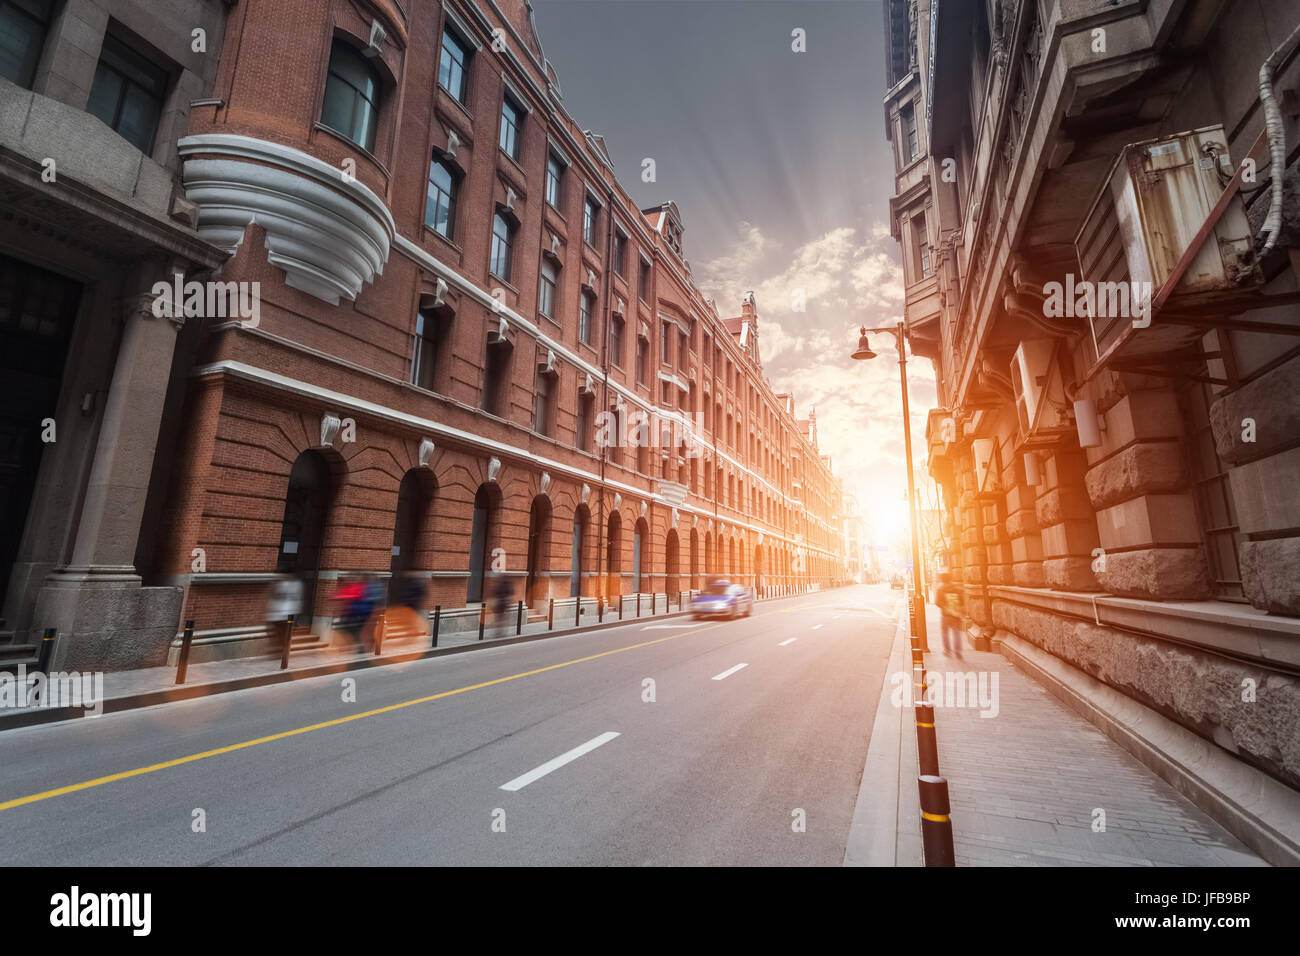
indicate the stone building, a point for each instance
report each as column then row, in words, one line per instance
column 472, row 357
column 94, row 95
column 1118, row 486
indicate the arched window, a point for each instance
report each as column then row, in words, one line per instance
column 440, row 204
column 352, row 93
column 503, row 244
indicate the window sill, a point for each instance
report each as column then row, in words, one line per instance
column 505, row 283
column 519, row 170
column 452, row 98
column 353, row 145
column 427, row 232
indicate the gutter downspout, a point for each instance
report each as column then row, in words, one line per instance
column 1276, row 140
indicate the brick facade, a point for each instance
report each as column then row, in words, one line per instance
column 747, row 494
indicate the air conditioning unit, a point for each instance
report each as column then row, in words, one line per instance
column 1156, row 198
column 1039, row 389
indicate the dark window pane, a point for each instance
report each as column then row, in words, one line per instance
column 22, row 36
column 351, row 104
column 127, row 93
column 451, row 66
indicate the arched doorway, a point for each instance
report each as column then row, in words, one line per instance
column 708, row 554
column 672, row 558
column 302, row 529
column 759, row 582
column 614, row 555
column 486, row 503
column 639, row 570
column 413, row 497
column 581, row 521
column 732, row 570
column 537, row 585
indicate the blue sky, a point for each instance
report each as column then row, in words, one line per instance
column 779, row 164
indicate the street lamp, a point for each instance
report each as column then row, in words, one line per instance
column 863, row 353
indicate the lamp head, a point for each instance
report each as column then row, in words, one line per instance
column 864, row 347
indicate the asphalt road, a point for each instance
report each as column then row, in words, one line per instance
column 544, row 753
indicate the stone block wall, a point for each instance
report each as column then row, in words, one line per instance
column 1146, row 516
column 1067, row 524
column 1255, row 432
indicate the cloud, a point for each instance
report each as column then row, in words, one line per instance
column 848, row 277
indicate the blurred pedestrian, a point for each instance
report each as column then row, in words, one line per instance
column 353, row 608
column 285, row 602
column 948, row 598
column 502, row 592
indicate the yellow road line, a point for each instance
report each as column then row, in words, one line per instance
column 179, row 761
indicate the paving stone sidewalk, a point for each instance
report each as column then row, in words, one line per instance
column 1025, row 784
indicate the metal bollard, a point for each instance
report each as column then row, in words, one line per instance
column 620, row 607
column 46, row 652
column 183, row 663
column 936, row 825
column 380, row 625
column 927, row 744
column 600, row 609
column 519, row 619
column 437, row 620
column 550, row 614
column 482, row 620
column 288, row 639
column 638, row 603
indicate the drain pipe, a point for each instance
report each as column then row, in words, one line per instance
column 1276, row 139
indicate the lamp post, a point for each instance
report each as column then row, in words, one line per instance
column 918, row 594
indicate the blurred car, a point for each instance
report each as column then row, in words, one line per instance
column 896, row 581
column 721, row 598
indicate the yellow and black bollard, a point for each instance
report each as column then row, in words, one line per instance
column 927, row 745
column 936, row 826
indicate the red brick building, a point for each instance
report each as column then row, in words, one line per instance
column 458, row 303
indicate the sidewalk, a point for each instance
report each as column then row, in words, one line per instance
column 1025, row 785
column 145, row 687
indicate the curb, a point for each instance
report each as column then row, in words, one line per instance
column 42, row 715
column 882, row 806
column 1258, row 810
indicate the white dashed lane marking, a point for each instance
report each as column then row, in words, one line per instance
column 551, row 765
